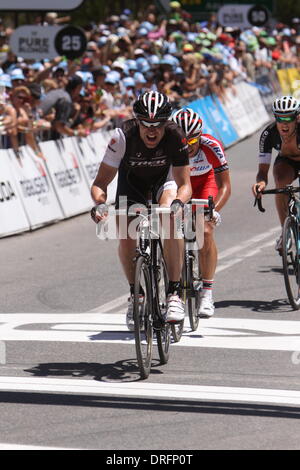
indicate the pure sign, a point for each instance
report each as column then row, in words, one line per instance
column 40, row 42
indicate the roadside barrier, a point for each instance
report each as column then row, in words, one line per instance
column 34, row 192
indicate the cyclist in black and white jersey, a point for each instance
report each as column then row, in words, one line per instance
column 282, row 135
column 143, row 151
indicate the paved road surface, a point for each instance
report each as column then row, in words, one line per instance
column 68, row 376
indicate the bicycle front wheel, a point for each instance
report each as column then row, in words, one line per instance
column 142, row 314
column 290, row 261
column 163, row 333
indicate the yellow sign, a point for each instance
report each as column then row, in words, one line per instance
column 289, row 80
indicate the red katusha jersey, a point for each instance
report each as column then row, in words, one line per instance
column 211, row 155
column 209, row 160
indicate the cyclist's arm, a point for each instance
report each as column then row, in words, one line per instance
column 109, row 166
column 105, row 176
column 266, row 143
column 261, row 178
column 181, row 175
column 224, row 189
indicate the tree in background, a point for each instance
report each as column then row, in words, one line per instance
column 286, row 10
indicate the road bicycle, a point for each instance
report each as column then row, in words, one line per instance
column 290, row 241
column 150, row 284
column 191, row 272
column 150, row 291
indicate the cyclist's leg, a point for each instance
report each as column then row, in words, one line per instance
column 208, row 256
column 172, row 245
column 284, row 172
column 209, row 252
column 173, row 254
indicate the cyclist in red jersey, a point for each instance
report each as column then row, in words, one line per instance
column 209, row 177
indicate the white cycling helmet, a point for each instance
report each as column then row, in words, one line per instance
column 189, row 121
column 287, row 105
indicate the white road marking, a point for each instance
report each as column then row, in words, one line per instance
column 29, row 447
column 248, row 243
column 230, row 333
column 248, row 254
column 111, row 305
column 151, row 390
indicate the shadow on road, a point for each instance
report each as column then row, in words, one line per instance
column 278, row 305
column 121, row 371
column 149, row 404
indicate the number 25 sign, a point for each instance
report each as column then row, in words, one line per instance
column 38, row 42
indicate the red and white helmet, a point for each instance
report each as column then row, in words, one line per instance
column 189, row 121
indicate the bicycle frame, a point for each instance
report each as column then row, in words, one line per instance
column 192, row 284
column 148, row 245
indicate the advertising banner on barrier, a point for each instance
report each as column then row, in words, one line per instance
column 253, row 105
column 236, row 112
column 215, row 120
column 227, row 133
column 90, row 154
column 267, row 93
column 12, row 215
column 67, row 176
column 35, row 187
column 100, row 141
column 199, row 107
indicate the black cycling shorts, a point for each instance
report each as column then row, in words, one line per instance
column 295, row 164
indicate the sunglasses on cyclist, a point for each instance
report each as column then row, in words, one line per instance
column 285, row 118
column 152, row 123
column 193, row 140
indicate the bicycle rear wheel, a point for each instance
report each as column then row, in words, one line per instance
column 192, row 278
column 290, row 261
column 163, row 332
column 142, row 314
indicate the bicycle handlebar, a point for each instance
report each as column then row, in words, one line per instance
column 205, row 202
column 287, row 190
column 139, row 211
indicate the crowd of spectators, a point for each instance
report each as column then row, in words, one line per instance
column 125, row 56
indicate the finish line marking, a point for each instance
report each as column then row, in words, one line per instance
column 101, row 328
column 151, row 390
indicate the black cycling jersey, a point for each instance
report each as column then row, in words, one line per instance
column 142, row 169
column 269, row 139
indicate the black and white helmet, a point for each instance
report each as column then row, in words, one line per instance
column 286, row 105
column 152, row 105
column 189, row 121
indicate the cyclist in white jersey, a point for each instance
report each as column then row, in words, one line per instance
column 142, row 152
